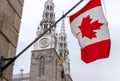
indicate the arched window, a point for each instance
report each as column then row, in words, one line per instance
column 61, row 44
column 64, row 45
column 47, row 14
column 45, row 27
column 49, row 25
column 51, row 7
column 47, row 7
column 42, row 65
column 64, row 38
column 51, row 15
column 60, row 52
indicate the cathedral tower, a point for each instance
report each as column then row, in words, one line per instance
column 49, row 39
column 63, row 50
column 50, row 60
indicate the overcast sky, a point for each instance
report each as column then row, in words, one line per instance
column 101, row 70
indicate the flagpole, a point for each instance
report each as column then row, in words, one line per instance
column 14, row 58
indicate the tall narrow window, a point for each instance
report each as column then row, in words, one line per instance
column 61, row 44
column 42, row 65
column 45, row 27
column 51, row 15
column 56, row 68
column 47, row 15
column 49, row 25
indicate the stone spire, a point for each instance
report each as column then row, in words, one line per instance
column 49, row 11
column 63, row 27
column 63, row 49
column 48, row 19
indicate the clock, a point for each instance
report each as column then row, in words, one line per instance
column 44, row 42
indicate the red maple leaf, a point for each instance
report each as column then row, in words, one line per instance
column 87, row 27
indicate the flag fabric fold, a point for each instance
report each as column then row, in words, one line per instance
column 90, row 27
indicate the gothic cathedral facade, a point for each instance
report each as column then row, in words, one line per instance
column 50, row 60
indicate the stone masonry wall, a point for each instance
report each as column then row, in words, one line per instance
column 10, row 18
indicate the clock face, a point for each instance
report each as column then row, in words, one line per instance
column 44, row 42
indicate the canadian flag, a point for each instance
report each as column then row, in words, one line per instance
column 90, row 27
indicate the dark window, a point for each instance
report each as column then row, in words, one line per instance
column 51, row 15
column 61, row 45
column 48, row 7
column 47, row 15
column 64, row 38
column 56, row 68
column 45, row 27
column 51, row 7
column 64, row 45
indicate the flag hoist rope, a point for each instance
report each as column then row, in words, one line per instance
column 14, row 58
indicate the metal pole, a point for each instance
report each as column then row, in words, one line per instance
column 14, row 58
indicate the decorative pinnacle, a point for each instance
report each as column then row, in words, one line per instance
column 63, row 26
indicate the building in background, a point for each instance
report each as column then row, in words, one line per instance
column 21, row 77
column 10, row 18
column 50, row 60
